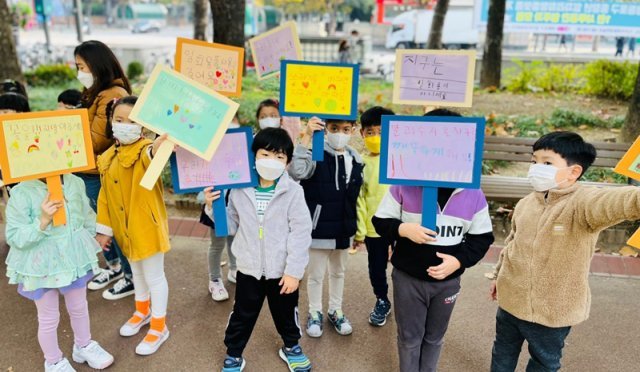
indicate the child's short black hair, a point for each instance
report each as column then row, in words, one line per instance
column 13, row 86
column 571, row 146
column 340, row 121
column 14, row 101
column 71, row 97
column 273, row 139
column 373, row 116
column 442, row 112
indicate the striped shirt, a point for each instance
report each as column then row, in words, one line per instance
column 263, row 197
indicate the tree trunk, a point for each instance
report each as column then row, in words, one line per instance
column 492, row 56
column 8, row 54
column 228, row 21
column 435, row 36
column 631, row 129
column 200, row 8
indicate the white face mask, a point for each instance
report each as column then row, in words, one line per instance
column 270, row 169
column 233, row 125
column 85, row 78
column 127, row 133
column 543, row 177
column 338, row 141
column 269, row 123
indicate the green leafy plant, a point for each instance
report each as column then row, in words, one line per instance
column 522, row 79
column 50, row 75
column 135, row 69
column 610, row 79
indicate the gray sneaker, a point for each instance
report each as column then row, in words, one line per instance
column 340, row 322
column 314, row 324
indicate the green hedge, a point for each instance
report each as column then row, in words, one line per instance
column 50, row 75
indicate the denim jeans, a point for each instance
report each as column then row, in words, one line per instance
column 545, row 344
column 114, row 256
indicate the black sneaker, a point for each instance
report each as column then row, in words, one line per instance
column 105, row 277
column 381, row 310
column 122, row 289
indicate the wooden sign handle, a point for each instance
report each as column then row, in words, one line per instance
column 160, row 159
column 54, row 184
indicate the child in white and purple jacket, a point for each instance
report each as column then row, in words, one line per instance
column 427, row 264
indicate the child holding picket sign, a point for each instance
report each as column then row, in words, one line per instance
column 331, row 192
column 46, row 261
column 427, row 266
column 137, row 218
column 272, row 229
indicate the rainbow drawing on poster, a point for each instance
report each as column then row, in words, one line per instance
column 216, row 66
column 328, row 90
column 45, row 145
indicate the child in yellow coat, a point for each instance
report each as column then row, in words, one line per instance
column 137, row 218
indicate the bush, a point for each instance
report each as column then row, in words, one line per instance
column 50, row 75
column 134, row 70
column 537, row 76
column 610, row 79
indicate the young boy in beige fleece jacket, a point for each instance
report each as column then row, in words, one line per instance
column 542, row 274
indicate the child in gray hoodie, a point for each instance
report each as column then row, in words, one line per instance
column 272, row 228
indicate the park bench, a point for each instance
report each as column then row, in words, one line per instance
column 511, row 189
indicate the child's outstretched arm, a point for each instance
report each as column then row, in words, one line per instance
column 233, row 219
column 24, row 228
column 299, row 239
column 605, row 207
column 302, row 166
column 388, row 221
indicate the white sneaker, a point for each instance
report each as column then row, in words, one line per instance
column 148, row 348
column 218, row 292
column 61, row 366
column 132, row 328
column 93, row 354
column 314, row 324
column 231, row 276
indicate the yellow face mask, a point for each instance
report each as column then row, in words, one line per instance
column 373, row 144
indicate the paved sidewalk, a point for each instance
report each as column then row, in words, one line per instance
column 606, row 342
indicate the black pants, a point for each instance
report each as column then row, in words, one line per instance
column 378, row 252
column 250, row 294
column 545, row 344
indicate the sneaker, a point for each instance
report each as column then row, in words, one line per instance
column 340, row 322
column 295, row 359
column 232, row 364
column 314, row 324
column 231, row 276
column 133, row 325
column 148, row 348
column 105, row 277
column 93, row 354
column 217, row 290
column 381, row 310
column 122, row 289
column 61, row 366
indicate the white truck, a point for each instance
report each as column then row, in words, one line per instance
column 411, row 28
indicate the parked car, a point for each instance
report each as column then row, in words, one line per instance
column 142, row 27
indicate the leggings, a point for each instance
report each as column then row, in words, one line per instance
column 49, row 317
column 149, row 282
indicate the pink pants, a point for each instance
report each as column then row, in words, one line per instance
column 49, row 317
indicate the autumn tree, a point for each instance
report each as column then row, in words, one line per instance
column 200, row 8
column 228, row 21
column 9, row 63
column 631, row 128
column 437, row 23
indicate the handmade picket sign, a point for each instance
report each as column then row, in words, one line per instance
column 434, row 77
column 273, row 46
column 629, row 166
column 431, row 152
column 46, row 145
column 326, row 90
column 216, row 66
column 232, row 166
column 194, row 117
